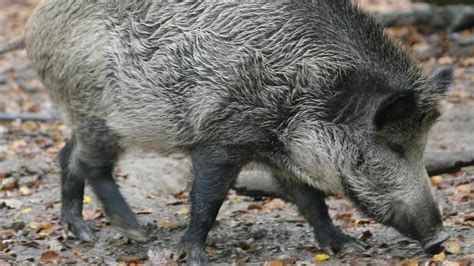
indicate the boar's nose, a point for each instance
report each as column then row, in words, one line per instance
column 433, row 245
column 421, row 222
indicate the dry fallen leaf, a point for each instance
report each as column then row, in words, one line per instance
column 439, row 257
column 75, row 250
column 408, row 262
column 275, row 204
column 7, row 233
column 8, row 183
column 344, row 216
column 321, row 257
column 466, row 188
column 183, row 211
column 273, row 263
column 40, row 226
column 364, row 221
column 24, row 190
column 255, row 206
column 446, row 60
column 452, row 247
column 50, row 257
column 87, row 199
column 92, row 214
column 26, row 210
column 435, row 180
column 166, row 224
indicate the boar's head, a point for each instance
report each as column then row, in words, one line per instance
column 367, row 142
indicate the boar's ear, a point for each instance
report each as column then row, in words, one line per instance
column 395, row 108
column 442, row 79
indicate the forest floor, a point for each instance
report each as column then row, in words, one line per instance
column 248, row 229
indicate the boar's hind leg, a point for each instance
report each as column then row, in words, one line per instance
column 72, row 192
column 311, row 204
column 93, row 158
column 215, row 170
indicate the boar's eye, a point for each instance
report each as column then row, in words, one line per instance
column 396, row 148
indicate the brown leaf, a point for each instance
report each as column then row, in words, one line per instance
column 181, row 195
column 435, row 180
column 75, row 250
column 8, row 184
column 255, row 206
column 92, row 214
column 38, row 226
column 363, row 221
column 275, row 204
column 166, row 224
column 452, row 247
column 273, row 263
column 183, row 211
column 50, row 257
column 466, row 188
column 7, row 233
column 469, row 217
column 465, row 261
column 439, row 257
column 344, row 216
column 408, row 262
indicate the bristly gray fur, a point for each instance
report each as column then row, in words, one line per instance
column 301, row 81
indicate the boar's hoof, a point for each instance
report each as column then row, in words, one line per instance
column 193, row 255
column 79, row 228
column 128, row 226
column 132, row 233
column 342, row 243
column 433, row 245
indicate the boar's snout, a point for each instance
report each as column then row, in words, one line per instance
column 421, row 222
column 433, row 245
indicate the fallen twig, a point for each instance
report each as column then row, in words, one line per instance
column 13, row 44
column 260, row 183
column 30, row 116
column 430, row 17
column 448, row 162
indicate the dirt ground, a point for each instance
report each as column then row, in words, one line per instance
column 253, row 230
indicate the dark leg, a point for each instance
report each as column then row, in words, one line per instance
column 99, row 176
column 310, row 202
column 215, row 170
column 92, row 155
column 72, row 193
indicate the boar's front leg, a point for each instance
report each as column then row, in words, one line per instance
column 311, row 204
column 215, row 170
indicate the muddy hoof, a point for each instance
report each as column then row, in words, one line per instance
column 133, row 233
column 79, row 228
column 192, row 255
column 336, row 241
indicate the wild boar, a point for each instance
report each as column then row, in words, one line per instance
column 315, row 91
